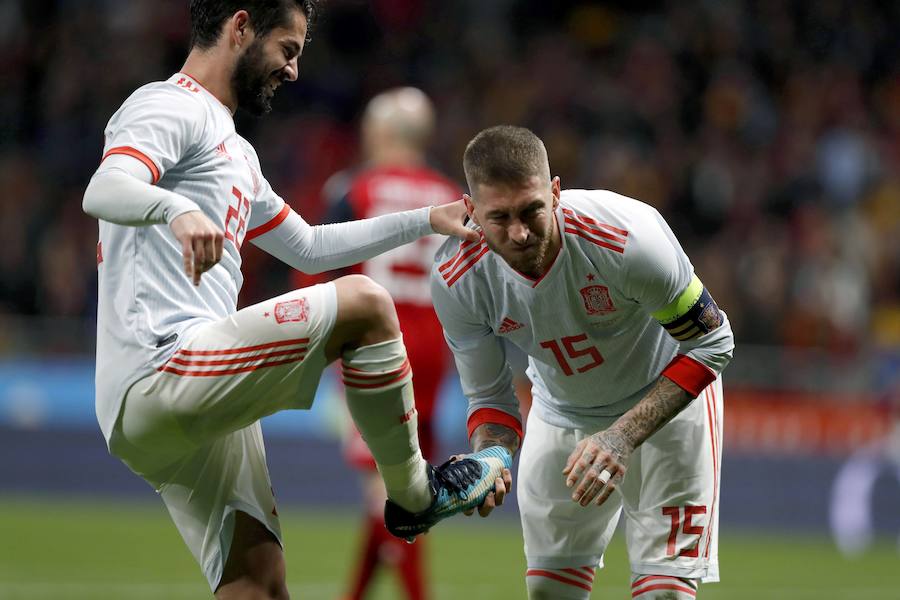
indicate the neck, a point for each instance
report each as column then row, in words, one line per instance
column 213, row 73
column 553, row 248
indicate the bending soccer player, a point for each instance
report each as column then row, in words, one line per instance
column 626, row 347
column 397, row 126
column 182, row 376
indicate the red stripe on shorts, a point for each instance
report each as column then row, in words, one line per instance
column 278, row 344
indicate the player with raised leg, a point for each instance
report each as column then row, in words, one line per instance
column 182, row 376
column 626, row 347
column 396, row 129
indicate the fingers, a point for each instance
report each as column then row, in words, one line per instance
column 587, row 456
column 470, row 235
column 199, row 259
column 187, row 255
column 207, row 249
column 576, row 454
column 502, row 486
column 599, row 482
column 202, row 243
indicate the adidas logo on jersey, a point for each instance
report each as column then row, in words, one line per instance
column 508, row 326
column 222, row 151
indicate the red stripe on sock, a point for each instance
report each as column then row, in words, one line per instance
column 664, row 586
column 643, row 580
column 368, row 386
column 555, row 577
column 579, row 574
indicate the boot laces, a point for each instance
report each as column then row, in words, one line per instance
column 458, row 476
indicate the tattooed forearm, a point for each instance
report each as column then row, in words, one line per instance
column 657, row 408
column 492, row 434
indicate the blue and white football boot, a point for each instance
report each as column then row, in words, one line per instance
column 456, row 486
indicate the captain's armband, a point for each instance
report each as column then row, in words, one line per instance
column 692, row 314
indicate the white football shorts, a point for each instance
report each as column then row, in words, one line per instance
column 192, row 428
column 669, row 496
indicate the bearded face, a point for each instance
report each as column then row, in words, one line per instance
column 255, row 80
column 518, row 223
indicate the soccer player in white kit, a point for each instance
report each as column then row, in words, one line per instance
column 182, row 376
column 626, row 348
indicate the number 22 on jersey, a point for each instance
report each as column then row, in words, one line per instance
column 240, row 213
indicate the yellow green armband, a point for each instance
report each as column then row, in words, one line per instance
column 692, row 314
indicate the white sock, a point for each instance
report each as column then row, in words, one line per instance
column 378, row 380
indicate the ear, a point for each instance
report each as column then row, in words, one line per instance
column 556, row 189
column 239, row 28
column 470, row 208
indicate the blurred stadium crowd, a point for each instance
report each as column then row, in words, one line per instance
column 767, row 132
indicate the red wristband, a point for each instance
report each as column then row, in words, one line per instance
column 492, row 415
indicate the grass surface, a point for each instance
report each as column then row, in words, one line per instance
column 68, row 550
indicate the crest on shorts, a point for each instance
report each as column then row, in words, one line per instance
column 292, row 310
column 596, row 300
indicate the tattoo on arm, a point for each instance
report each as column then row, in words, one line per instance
column 657, row 408
column 492, row 434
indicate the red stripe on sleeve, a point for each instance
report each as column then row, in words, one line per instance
column 492, row 415
column 135, row 153
column 270, row 225
column 690, row 375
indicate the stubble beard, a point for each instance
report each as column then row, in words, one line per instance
column 249, row 81
column 531, row 265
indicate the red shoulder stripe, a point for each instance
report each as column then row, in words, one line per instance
column 591, row 221
column 135, row 153
column 588, row 237
column 597, row 232
column 462, row 248
column 452, row 277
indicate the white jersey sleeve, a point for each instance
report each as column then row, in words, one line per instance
column 659, row 276
column 157, row 125
column 480, row 358
column 315, row 249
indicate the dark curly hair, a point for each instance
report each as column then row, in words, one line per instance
column 207, row 16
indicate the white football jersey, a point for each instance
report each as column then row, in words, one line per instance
column 187, row 140
column 594, row 348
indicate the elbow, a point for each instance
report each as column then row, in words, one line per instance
column 90, row 201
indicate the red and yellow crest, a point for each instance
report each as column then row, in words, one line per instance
column 596, row 300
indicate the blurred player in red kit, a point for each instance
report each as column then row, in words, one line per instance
column 396, row 128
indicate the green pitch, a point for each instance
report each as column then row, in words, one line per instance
column 80, row 550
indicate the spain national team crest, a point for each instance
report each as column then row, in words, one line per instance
column 596, row 300
column 292, row 310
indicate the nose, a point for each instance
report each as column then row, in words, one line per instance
column 518, row 232
column 292, row 70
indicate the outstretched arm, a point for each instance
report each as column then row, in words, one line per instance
column 314, row 249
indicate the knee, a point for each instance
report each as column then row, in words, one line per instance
column 366, row 310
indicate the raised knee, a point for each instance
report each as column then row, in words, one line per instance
column 367, row 309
